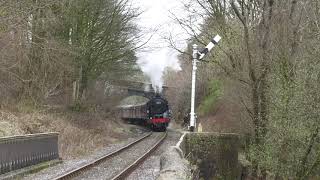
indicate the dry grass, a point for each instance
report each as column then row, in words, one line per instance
column 226, row 117
column 8, row 124
column 80, row 133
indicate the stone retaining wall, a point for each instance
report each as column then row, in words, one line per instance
column 215, row 155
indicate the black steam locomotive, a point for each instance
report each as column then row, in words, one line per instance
column 155, row 113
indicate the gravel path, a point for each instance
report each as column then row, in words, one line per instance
column 114, row 165
column 150, row 169
column 68, row 165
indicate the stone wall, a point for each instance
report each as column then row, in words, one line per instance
column 215, row 154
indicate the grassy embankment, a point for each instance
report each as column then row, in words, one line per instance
column 80, row 132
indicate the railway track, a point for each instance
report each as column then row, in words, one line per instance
column 106, row 167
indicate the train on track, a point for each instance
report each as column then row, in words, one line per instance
column 155, row 113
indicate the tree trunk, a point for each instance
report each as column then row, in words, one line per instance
column 83, row 85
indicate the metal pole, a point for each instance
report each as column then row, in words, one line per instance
column 196, row 55
column 193, row 89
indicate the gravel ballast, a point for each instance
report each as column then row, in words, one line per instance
column 150, row 169
column 69, row 165
column 116, row 164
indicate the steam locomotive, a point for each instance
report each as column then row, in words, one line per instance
column 155, row 113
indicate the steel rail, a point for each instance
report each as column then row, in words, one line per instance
column 126, row 172
column 93, row 163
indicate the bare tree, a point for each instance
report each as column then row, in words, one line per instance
column 265, row 51
column 47, row 45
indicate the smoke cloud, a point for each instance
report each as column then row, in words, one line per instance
column 156, row 21
column 154, row 64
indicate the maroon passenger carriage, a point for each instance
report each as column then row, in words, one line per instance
column 155, row 113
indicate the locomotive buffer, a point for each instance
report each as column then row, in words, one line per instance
column 196, row 56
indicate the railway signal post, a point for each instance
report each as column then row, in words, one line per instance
column 196, row 56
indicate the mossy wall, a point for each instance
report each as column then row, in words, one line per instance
column 215, row 154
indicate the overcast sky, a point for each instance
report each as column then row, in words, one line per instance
column 155, row 20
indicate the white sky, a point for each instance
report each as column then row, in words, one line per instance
column 159, row 56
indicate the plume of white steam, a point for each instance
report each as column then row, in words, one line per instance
column 147, row 88
column 156, row 20
column 154, row 63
